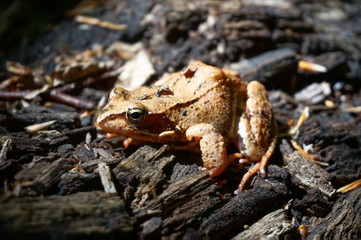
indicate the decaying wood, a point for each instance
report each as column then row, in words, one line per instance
column 331, row 60
column 314, row 203
column 271, row 227
column 158, row 194
column 106, row 178
column 77, row 216
column 174, row 204
column 265, row 196
column 305, row 173
column 335, row 138
column 18, row 121
column 267, row 65
column 344, row 222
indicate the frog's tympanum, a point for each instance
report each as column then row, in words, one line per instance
column 200, row 107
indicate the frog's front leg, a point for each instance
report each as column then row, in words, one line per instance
column 212, row 145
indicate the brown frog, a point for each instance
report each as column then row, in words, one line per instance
column 201, row 107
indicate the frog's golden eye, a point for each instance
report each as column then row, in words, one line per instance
column 136, row 115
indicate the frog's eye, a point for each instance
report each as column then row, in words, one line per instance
column 136, row 115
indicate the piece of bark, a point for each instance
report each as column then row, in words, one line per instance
column 78, row 135
column 314, row 93
column 266, row 195
column 335, row 137
column 43, row 176
column 23, row 145
column 83, row 153
column 51, row 174
column 189, row 214
column 6, row 146
column 346, row 165
column 266, row 65
column 76, row 216
column 147, row 167
column 304, row 173
column 73, row 136
column 314, row 203
column 90, row 166
column 73, row 182
column 272, row 226
column 64, row 120
column 151, row 228
column 330, row 60
column 343, row 222
column 177, row 193
column 106, row 178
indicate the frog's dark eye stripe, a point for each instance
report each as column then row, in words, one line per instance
column 136, row 115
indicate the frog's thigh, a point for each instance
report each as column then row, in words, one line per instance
column 257, row 124
column 212, row 145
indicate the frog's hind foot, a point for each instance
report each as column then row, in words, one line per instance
column 253, row 170
column 248, row 175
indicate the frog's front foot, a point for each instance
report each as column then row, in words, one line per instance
column 212, row 145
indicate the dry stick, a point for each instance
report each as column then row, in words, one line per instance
column 59, row 96
column 8, row 96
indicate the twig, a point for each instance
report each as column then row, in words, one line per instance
column 100, row 23
column 59, row 96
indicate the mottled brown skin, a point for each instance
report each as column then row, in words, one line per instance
column 202, row 105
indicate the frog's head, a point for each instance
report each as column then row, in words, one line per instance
column 127, row 114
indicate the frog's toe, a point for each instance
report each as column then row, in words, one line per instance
column 248, row 175
column 262, row 171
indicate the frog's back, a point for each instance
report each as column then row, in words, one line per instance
column 205, row 94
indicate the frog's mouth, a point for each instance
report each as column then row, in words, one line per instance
column 149, row 130
column 132, row 131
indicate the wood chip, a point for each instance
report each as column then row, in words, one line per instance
column 100, row 23
column 35, row 128
column 271, row 226
column 311, row 67
column 106, row 178
column 6, row 145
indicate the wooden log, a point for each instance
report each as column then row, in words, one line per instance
column 76, row 216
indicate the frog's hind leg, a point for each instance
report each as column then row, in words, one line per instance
column 258, row 167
